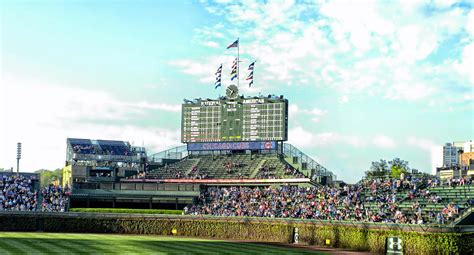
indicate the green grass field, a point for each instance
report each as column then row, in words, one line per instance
column 59, row 243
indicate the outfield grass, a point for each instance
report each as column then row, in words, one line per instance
column 59, row 243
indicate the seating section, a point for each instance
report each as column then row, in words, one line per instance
column 175, row 170
column 275, row 168
column 426, row 204
column 17, row 193
column 55, row 198
column 407, row 201
column 83, row 146
column 228, row 166
column 114, row 147
column 102, row 147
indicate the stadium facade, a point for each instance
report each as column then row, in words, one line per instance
column 231, row 140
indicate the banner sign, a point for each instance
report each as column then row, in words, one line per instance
column 269, row 145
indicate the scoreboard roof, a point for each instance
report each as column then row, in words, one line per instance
column 235, row 120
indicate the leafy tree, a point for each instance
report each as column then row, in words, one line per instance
column 398, row 166
column 399, row 163
column 49, row 176
column 378, row 169
column 397, row 171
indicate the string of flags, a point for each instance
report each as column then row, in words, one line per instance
column 218, row 82
column 250, row 76
column 233, row 73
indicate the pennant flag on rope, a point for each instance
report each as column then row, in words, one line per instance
column 218, row 82
column 233, row 73
column 234, row 44
column 219, row 70
column 250, row 77
column 251, row 66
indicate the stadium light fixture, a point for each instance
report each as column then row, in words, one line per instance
column 18, row 157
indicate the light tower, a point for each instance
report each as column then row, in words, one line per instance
column 18, row 157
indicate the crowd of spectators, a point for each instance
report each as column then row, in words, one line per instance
column 55, row 198
column 104, row 149
column 17, row 193
column 84, row 149
column 355, row 202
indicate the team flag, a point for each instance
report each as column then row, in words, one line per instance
column 250, row 77
column 251, row 66
column 218, row 82
column 233, row 73
column 234, row 44
column 219, row 70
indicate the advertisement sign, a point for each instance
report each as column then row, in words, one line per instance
column 269, row 145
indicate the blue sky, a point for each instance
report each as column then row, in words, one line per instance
column 365, row 79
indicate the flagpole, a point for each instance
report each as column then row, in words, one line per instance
column 238, row 60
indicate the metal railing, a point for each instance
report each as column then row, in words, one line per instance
column 319, row 170
column 178, row 152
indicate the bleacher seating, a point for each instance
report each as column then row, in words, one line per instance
column 82, row 146
column 226, row 166
column 18, row 193
column 104, row 147
column 403, row 201
column 114, row 147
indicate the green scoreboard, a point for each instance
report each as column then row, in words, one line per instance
column 235, row 120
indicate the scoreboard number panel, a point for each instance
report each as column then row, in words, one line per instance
column 233, row 120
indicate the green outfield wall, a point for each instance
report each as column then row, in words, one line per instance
column 356, row 236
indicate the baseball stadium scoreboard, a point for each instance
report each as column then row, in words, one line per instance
column 239, row 119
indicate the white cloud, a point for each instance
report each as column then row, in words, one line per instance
column 430, row 147
column 444, row 3
column 212, row 44
column 465, row 65
column 374, row 48
column 421, row 143
column 300, row 137
column 314, row 114
column 44, row 117
column 470, row 23
column 384, row 141
column 344, row 99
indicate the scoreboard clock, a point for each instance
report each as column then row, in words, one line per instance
column 235, row 119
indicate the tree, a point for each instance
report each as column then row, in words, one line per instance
column 397, row 171
column 49, row 176
column 399, row 163
column 398, row 167
column 378, row 169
